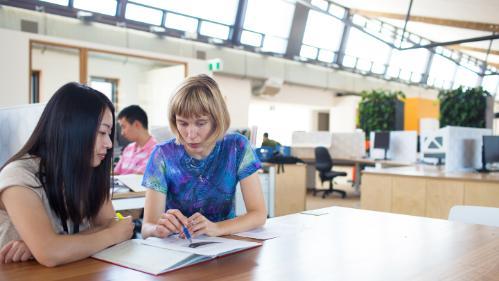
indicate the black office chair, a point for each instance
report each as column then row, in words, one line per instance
column 324, row 164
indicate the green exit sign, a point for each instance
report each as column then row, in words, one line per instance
column 215, row 65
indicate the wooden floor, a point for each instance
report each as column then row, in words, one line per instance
column 352, row 200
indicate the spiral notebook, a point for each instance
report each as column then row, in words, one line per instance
column 155, row 255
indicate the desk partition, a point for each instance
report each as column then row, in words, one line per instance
column 17, row 124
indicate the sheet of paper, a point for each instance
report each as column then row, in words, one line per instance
column 318, row 212
column 132, row 181
column 271, row 230
column 217, row 246
column 261, row 233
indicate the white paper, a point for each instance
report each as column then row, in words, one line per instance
column 221, row 245
column 261, row 233
column 132, row 181
column 272, row 230
column 318, row 212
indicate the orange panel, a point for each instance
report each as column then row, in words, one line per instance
column 417, row 108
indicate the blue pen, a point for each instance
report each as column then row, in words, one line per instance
column 186, row 233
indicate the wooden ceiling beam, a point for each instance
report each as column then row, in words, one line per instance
column 430, row 20
column 474, row 49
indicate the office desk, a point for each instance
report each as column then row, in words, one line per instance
column 358, row 163
column 346, row 244
column 128, row 200
column 424, row 190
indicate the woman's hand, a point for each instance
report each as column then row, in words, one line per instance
column 170, row 222
column 122, row 229
column 15, row 251
column 199, row 225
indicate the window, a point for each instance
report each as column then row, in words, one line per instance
column 204, row 9
column 465, row 77
column 330, row 37
column 107, row 7
column 180, row 22
column 107, row 86
column 490, row 83
column 369, row 51
column 58, row 2
column 337, row 11
column 251, row 38
column 214, row 30
column 410, row 63
column 35, row 86
column 441, row 72
column 321, row 4
column 143, row 14
column 261, row 17
column 308, row 52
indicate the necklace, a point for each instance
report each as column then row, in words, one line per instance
column 200, row 168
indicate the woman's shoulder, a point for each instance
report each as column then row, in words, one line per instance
column 167, row 147
column 235, row 138
column 22, row 172
column 167, row 144
column 26, row 163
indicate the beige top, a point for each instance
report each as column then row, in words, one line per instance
column 23, row 173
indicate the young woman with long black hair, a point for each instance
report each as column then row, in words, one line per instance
column 55, row 202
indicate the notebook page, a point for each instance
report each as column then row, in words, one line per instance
column 136, row 255
column 218, row 245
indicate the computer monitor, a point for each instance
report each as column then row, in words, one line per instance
column 490, row 151
column 382, row 141
column 119, row 142
column 433, row 147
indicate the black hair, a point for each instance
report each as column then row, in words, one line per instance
column 64, row 141
column 265, row 135
column 134, row 113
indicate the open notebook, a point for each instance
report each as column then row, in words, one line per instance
column 155, row 256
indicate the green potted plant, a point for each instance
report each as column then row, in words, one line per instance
column 465, row 107
column 377, row 110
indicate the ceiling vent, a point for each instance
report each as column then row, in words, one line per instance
column 269, row 87
column 29, row 26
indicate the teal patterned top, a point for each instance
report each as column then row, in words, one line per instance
column 208, row 185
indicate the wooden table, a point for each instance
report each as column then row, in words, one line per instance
column 346, row 244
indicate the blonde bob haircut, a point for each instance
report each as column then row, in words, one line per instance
column 199, row 96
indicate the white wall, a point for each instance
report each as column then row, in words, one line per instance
column 14, row 64
column 56, row 69
column 129, row 74
column 343, row 114
column 14, row 61
column 237, row 94
column 155, row 91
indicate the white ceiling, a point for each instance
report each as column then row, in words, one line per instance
column 481, row 11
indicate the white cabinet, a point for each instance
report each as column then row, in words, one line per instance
column 267, row 181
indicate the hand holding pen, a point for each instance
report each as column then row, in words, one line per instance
column 172, row 221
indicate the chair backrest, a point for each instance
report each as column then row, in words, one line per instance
column 475, row 214
column 323, row 162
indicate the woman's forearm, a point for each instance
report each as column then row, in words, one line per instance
column 250, row 220
column 62, row 249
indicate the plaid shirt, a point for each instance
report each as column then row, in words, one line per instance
column 133, row 160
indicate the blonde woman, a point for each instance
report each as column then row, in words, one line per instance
column 192, row 179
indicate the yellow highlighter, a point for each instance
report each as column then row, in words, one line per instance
column 119, row 216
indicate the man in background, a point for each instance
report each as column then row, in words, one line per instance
column 269, row 142
column 133, row 123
